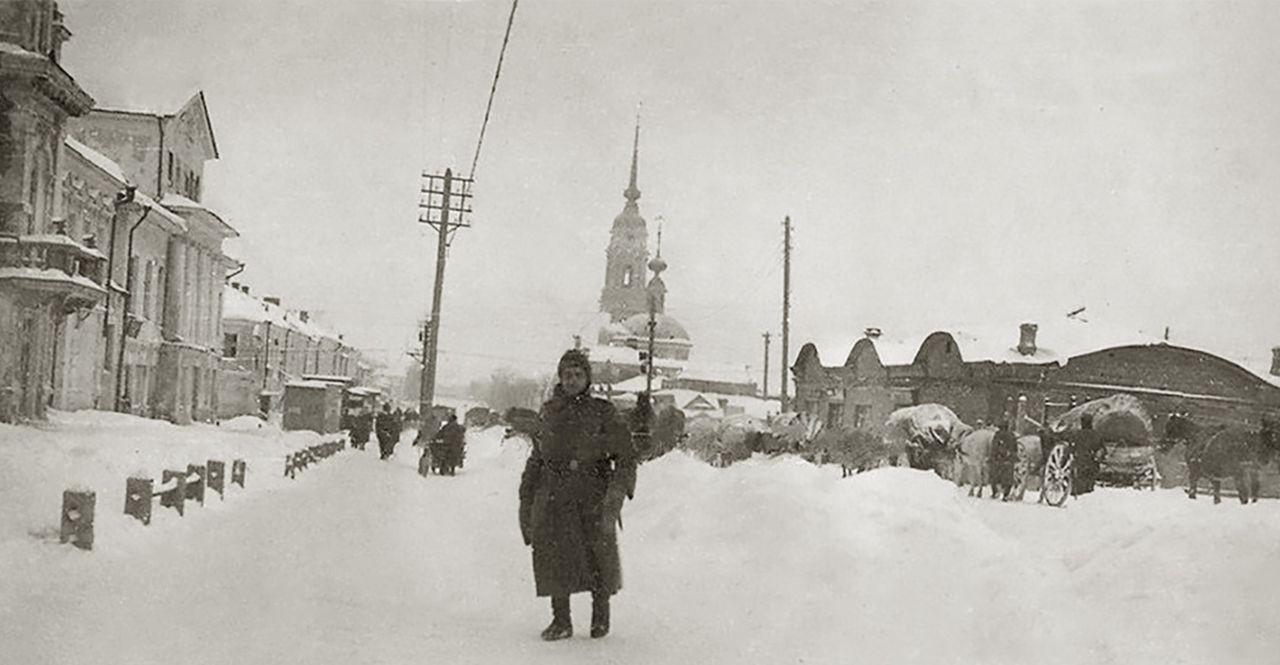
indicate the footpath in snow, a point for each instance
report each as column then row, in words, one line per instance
column 767, row 561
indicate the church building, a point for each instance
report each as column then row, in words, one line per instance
column 626, row 296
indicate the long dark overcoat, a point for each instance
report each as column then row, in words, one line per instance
column 581, row 449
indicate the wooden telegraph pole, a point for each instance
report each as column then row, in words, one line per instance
column 786, row 307
column 765, row 390
column 445, row 202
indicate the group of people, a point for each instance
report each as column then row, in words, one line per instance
column 1085, row 445
column 386, row 426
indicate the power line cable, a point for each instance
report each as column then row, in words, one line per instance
column 494, row 88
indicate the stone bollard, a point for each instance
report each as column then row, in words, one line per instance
column 195, row 488
column 216, row 478
column 77, row 518
column 288, row 465
column 175, row 498
column 237, row 472
column 137, row 499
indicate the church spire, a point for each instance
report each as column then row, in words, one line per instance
column 633, row 192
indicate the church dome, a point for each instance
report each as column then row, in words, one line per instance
column 666, row 328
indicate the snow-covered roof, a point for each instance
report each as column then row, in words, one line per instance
column 309, row 384
column 240, row 306
column 49, row 275
column 1057, row 338
column 54, row 239
column 833, row 351
column 180, row 202
column 700, row 371
column 104, row 163
column 636, row 384
column 14, row 49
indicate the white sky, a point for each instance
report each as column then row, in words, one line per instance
column 944, row 163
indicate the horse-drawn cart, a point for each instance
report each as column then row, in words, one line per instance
column 1126, row 459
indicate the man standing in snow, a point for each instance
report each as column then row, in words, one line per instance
column 1004, row 454
column 386, row 431
column 1087, row 447
column 581, row 468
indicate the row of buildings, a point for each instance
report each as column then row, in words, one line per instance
column 982, row 373
column 113, row 278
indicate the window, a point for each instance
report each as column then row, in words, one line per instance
column 834, row 411
column 627, row 277
column 229, row 343
column 148, row 290
column 170, row 166
column 135, row 299
column 861, row 413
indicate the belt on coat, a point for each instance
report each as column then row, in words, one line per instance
column 576, row 466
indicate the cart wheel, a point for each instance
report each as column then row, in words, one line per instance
column 1057, row 476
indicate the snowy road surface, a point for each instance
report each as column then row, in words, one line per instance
column 768, row 561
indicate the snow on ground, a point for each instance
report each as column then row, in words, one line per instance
column 771, row 560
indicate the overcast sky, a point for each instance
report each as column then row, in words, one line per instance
column 944, row 163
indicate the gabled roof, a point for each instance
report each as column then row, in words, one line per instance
column 197, row 105
column 183, row 204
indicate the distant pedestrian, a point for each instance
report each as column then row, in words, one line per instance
column 361, row 426
column 386, row 431
column 580, row 470
column 453, row 439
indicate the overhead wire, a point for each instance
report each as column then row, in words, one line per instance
column 493, row 89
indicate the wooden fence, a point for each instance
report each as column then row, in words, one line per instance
column 176, row 488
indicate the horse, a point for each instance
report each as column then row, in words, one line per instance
column 972, row 448
column 1223, row 451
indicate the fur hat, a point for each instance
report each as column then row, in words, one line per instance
column 575, row 358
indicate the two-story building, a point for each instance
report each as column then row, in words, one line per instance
column 266, row 346
column 171, row 263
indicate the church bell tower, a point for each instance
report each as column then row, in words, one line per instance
column 628, row 253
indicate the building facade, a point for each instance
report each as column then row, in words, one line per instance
column 266, row 346
column 170, row 262
column 47, row 276
column 983, row 377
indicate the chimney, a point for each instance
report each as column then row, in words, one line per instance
column 235, row 285
column 1275, row 361
column 245, row 288
column 271, row 300
column 90, row 241
column 304, row 315
column 872, row 333
column 1027, row 339
column 723, row 402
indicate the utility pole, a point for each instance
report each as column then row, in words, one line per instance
column 446, row 200
column 766, row 365
column 786, row 307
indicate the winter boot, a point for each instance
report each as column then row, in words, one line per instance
column 599, row 614
column 561, row 626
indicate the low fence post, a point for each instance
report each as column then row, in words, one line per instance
column 237, row 472
column 177, row 497
column 77, row 518
column 216, row 477
column 137, row 499
column 195, row 489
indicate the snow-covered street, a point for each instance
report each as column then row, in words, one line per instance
column 767, row 561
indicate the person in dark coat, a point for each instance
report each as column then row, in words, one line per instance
column 1088, row 449
column 361, row 426
column 1004, row 456
column 581, row 468
column 452, row 437
column 385, row 427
